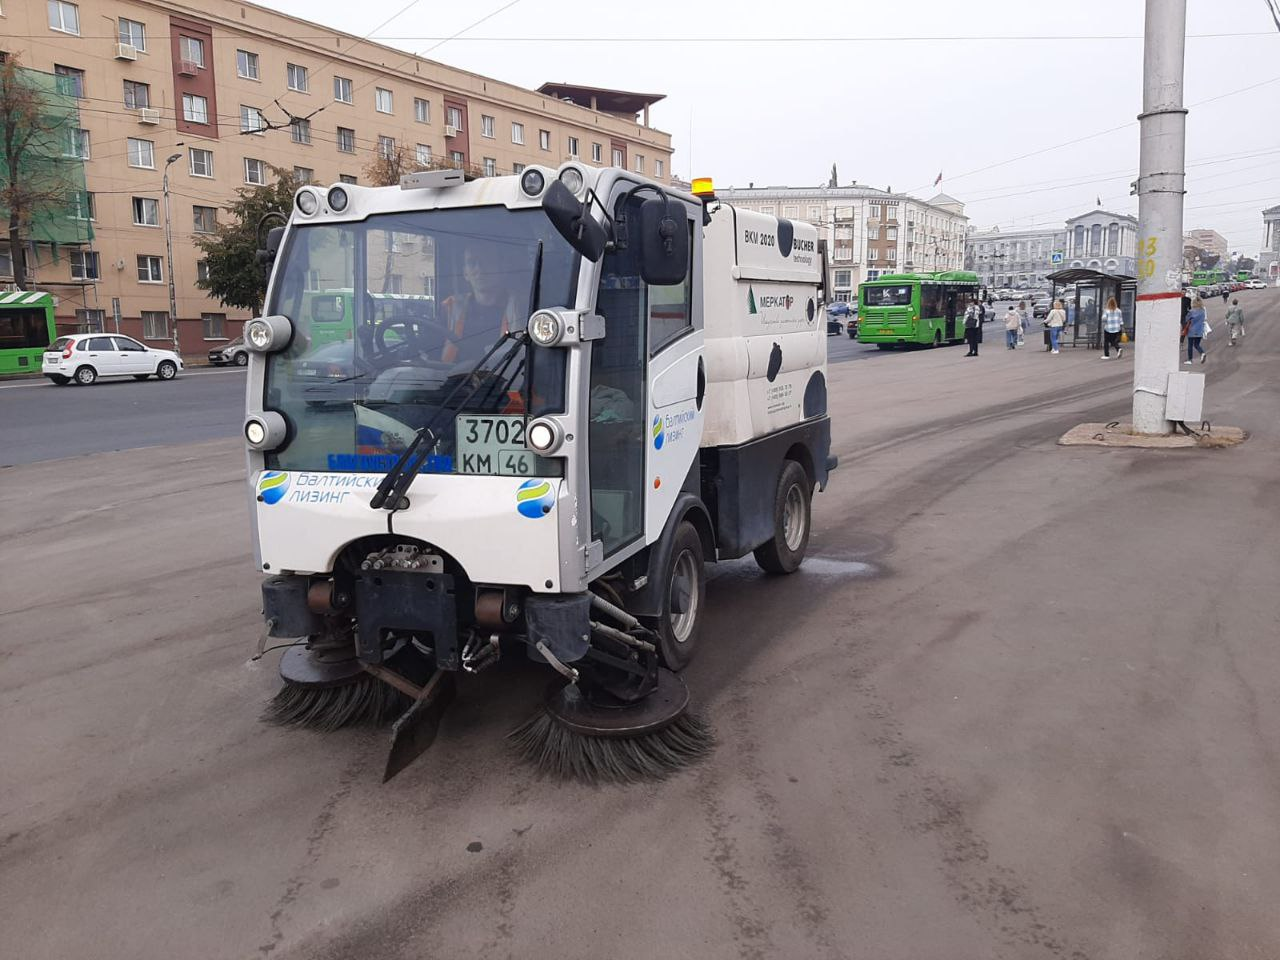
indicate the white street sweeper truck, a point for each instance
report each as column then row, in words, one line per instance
column 517, row 415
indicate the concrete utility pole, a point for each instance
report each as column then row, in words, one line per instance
column 1161, row 178
column 168, row 256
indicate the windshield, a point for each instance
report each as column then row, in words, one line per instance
column 896, row 296
column 391, row 314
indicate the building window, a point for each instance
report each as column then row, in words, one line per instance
column 64, row 17
column 247, row 65
column 155, row 324
column 453, row 117
column 1095, row 240
column 77, row 144
column 1113, row 240
column 300, row 130
column 137, row 96
column 201, row 162
column 842, row 253
column 891, row 254
column 657, row 168
column 573, row 148
column 386, row 147
column 251, row 119
column 195, row 109
column 191, row 50
column 296, row 77
column 215, row 326
column 202, row 271
column 205, row 219
column 618, row 159
column 490, row 167
column 90, row 321
column 70, row 80
column 873, row 212
column 458, row 158
column 872, row 254
column 517, row 168
column 639, row 163
column 346, row 140
column 150, row 269
column 423, row 154
column 517, row 133
column 133, row 33
column 843, row 278
column 891, row 233
column 597, row 151
column 82, row 205
column 873, row 232
column 146, row 212
column 486, row 126
column 142, row 153
column 254, row 172
column 346, row 178
column 304, row 175
column 342, row 89
column 544, row 139
column 381, row 100
column 421, row 110
column 84, row 265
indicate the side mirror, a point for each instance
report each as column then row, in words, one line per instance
column 664, row 242
column 572, row 221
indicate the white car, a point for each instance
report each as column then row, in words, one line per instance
column 1257, row 284
column 84, row 357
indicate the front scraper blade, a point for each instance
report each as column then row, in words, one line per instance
column 416, row 728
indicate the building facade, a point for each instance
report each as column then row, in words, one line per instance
column 214, row 86
column 1015, row 259
column 1210, row 241
column 868, row 232
column 1269, row 258
column 1103, row 241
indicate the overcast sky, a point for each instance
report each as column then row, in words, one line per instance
column 792, row 87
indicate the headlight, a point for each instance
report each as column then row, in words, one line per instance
column 571, row 177
column 532, row 181
column 545, row 328
column 308, row 203
column 337, row 199
column 265, row 431
column 544, row 437
column 268, row 334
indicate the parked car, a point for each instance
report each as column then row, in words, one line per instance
column 1040, row 309
column 851, row 327
column 836, row 314
column 84, row 357
column 234, row 352
column 1256, row 284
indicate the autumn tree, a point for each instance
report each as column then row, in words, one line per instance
column 234, row 275
column 387, row 166
column 39, row 175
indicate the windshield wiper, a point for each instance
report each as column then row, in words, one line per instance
column 397, row 480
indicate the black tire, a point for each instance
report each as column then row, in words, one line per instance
column 141, row 376
column 791, row 506
column 677, row 636
column 59, row 380
column 166, row 370
column 884, row 346
column 86, row 376
column 853, row 335
column 242, row 359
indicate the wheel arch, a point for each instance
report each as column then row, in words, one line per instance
column 647, row 601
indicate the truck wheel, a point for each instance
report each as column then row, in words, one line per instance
column 85, row 376
column 684, row 594
column 784, row 553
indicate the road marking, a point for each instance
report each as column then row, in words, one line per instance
column 42, row 382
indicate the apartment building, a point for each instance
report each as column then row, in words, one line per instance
column 1210, row 241
column 216, row 94
column 868, row 231
column 1015, row 259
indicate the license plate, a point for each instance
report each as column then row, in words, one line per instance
column 493, row 446
column 886, row 330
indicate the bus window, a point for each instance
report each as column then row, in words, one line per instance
column 931, row 301
column 23, row 329
column 894, row 296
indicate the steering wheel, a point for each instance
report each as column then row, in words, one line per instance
column 414, row 336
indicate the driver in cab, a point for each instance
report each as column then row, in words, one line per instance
column 477, row 317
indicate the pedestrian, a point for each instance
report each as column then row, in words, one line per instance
column 1023, row 326
column 1225, row 293
column 1197, row 327
column 1055, row 321
column 1112, row 325
column 1012, row 326
column 972, row 329
column 1235, row 320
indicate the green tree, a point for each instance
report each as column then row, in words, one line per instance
column 234, row 275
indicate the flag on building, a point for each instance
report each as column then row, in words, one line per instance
column 1099, row 202
column 939, row 180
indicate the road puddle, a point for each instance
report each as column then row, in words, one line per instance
column 832, row 567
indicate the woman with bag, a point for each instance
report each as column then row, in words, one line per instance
column 1197, row 330
column 1012, row 327
column 1112, row 327
column 1055, row 321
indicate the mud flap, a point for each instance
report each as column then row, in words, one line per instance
column 416, row 728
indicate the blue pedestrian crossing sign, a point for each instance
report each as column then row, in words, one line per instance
column 1055, row 257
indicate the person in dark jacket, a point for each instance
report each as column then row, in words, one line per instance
column 972, row 329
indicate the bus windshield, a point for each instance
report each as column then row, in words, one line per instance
column 392, row 313
column 894, row 296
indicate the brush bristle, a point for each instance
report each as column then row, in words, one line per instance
column 365, row 701
column 567, row 755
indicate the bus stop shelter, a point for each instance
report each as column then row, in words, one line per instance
column 1084, row 293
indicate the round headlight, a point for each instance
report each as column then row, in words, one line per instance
column 255, row 432
column 545, row 328
column 541, row 436
column 307, row 202
column 258, row 334
column 337, row 199
column 571, row 177
column 532, row 181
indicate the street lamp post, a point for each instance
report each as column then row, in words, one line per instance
column 168, row 248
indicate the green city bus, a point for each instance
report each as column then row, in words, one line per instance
column 26, row 330
column 923, row 308
column 1206, row 278
column 330, row 312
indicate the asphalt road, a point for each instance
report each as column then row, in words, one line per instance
column 1021, row 702
column 39, row 421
